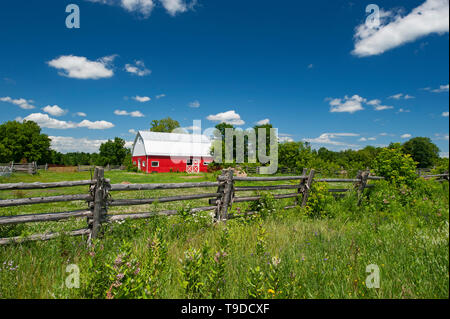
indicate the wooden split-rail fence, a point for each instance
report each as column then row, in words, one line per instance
column 99, row 198
column 30, row 168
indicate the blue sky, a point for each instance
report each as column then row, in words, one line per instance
column 313, row 69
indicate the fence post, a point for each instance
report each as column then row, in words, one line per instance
column 226, row 188
column 301, row 185
column 99, row 202
column 363, row 176
column 307, row 187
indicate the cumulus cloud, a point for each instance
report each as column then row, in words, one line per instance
column 65, row 144
column 445, row 114
column 79, row 67
column 396, row 30
column 160, row 96
column 141, row 99
column 22, row 103
column 331, row 139
column 132, row 131
column 406, row 136
column 96, row 125
column 132, row 114
column 81, row 114
column 43, row 120
column 354, row 104
column 348, row 104
column 138, row 68
column 174, row 6
column 54, row 110
column 230, row 117
column 263, row 122
column 195, row 104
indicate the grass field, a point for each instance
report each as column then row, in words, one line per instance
column 277, row 254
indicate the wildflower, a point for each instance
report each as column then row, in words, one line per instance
column 120, row 276
column 276, row 261
column 271, row 291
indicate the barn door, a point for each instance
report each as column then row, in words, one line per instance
column 193, row 165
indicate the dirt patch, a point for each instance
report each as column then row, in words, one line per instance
column 125, row 183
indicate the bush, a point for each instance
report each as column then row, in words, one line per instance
column 395, row 167
column 319, row 198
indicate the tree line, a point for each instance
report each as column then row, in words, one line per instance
column 24, row 142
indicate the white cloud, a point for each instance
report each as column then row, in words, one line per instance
column 22, row 103
column 406, row 136
column 174, row 6
column 444, row 154
column 442, row 88
column 141, row 99
column 401, row 110
column 82, row 114
column 348, row 104
column 195, row 104
column 54, row 110
column 362, row 139
column 445, row 114
column 263, row 122
column 372, row 138
column 43, row 120
column 132, row 114
column 138, row 68
column 96, row 125
column 329, row 139
column 284, row 139
column 396, row 30
column 65, row 144
column 79, row 67
column 145, row 7
column 160, row 96
column 401, row 96
column 230, row 117
column 310, row 66
column 132, row 131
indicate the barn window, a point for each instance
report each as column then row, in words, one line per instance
column 143, row 164
column 155, row 164
column 189, row 161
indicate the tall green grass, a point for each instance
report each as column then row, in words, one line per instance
column 277, row 254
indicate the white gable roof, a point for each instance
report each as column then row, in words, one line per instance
column 171, row 144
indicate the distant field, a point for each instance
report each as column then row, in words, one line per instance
column 284, row 255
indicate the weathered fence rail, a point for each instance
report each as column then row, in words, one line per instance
column 101, row 191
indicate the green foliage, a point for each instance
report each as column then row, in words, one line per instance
column 265, row 206
column 113, row 152
column 166, row 125
column 23, row 141
column 395, row 167
column 422, row 151
column 318, row 200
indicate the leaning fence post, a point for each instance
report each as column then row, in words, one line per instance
column 226, row 188
column 307, row 187
column 301, row 185
column 99, row 202
column 363, row 176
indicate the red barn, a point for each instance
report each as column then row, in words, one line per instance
column 171, row 152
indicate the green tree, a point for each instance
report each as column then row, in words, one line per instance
column 113, row 152
column 422, row 150
column 395, row 167
column 166, row 125
column 20, row 141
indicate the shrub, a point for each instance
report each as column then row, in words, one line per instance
column 319, row 198
column 395, row 167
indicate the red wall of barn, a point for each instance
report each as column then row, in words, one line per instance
column 166, row 164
